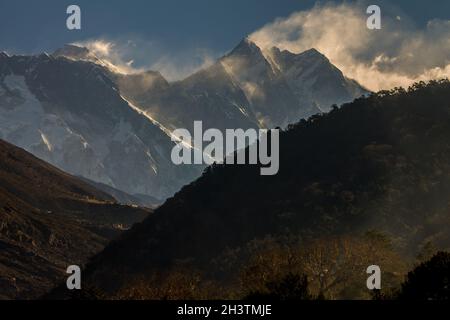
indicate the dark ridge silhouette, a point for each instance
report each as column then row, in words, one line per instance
column 378, row 163
column 48, row 221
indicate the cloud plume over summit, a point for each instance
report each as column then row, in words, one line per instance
column 397, row 55
column 133, row 54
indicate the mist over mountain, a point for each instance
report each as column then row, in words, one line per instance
column 277, row 153
column 85, row 116
column 246, row 88
column 48, row 221
column 314, row 80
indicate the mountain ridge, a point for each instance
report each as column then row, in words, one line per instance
column 81, row 114
column 48, row 221
column 249, row 50
column 70, row 114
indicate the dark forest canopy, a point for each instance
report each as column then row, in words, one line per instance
column 379, row 163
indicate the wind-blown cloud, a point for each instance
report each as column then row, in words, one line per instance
column 397, row 55
column 138, row 55
column 110, row 53
column 174, row 67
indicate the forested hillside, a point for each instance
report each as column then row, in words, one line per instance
column 370, row 179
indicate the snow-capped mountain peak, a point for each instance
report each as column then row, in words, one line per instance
column 74, row 52
column 79, row 53
column 81, row 114
column 70, row 113
column 312, row 77
column 246, row 48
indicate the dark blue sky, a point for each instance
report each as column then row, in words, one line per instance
column 177, row 25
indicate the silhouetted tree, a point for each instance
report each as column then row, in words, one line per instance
column 90, row 293
column 429, row 281
column 290, row 287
